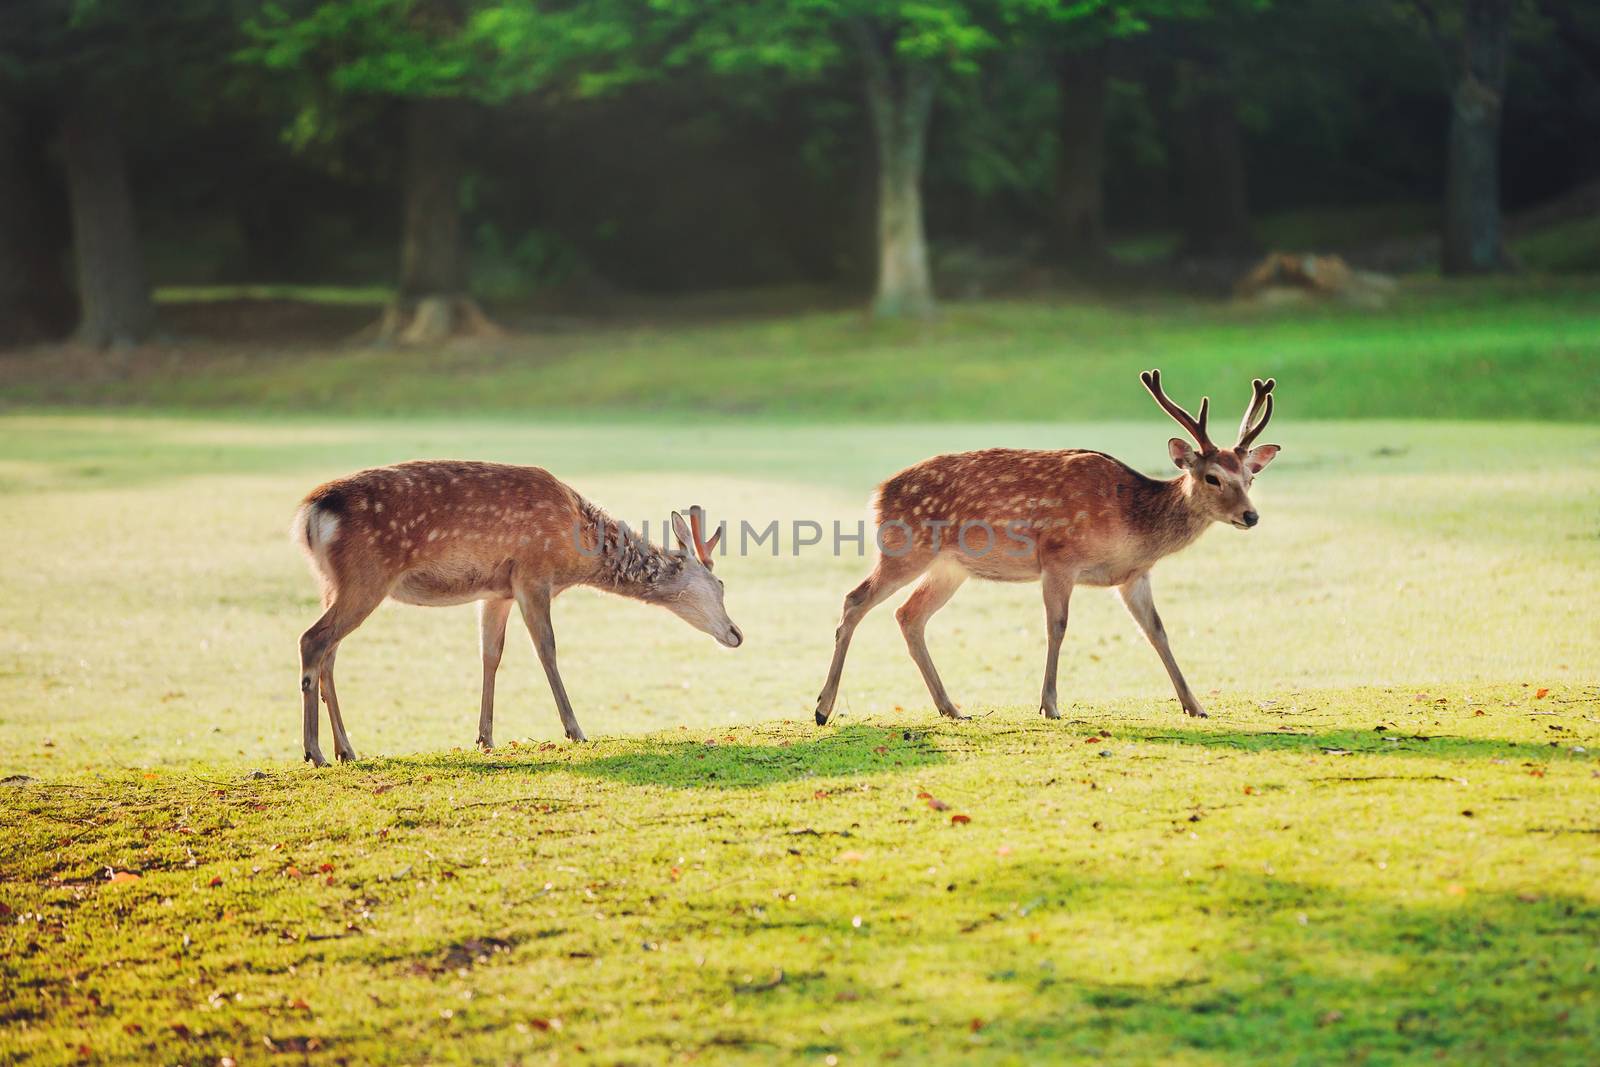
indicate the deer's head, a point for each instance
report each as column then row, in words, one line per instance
column 1218, row 480
column 696, row 596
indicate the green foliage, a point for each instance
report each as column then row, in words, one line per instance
column 507, row 267
column 486, row 50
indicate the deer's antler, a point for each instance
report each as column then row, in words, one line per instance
column 1195, row 426
column 1260, row 402
column 697, row 526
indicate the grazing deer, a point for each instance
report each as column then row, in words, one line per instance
column 1069, row 518
column 449, row 532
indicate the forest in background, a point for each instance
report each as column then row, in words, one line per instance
column 890, row 151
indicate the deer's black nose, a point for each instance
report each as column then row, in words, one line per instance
column 1250, row 518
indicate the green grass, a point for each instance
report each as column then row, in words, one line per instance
column 375, row 295
column 1294, row 879
column 1520, row 350
column 1379, row 876
column 1380, row 848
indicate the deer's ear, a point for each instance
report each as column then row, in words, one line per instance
column 1183, row 456
column 1257, row 458
column 685, row 538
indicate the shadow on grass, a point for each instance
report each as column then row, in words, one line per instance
column 1305, row 973
column 1262, row 970
column 1340, row 742
column 851, row 750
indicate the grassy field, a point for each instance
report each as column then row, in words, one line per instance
column 1381, row 847
column 1504, row 350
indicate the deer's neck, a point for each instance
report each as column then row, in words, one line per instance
column 626, row 563
column 1168, row 519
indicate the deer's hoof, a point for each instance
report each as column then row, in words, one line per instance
column 1195, row 713
column 823, row 717
column 315, row 758
column 1051, row 713
column 347, row 757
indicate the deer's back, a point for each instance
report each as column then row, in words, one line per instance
column 444, row 531
column 1067, row 503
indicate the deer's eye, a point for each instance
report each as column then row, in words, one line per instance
column 1211, row 479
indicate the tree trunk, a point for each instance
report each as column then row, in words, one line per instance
column 431, row 258
column 432, row 303
column 1215, row 218
column 1077, row 224
column 1472, row 232
column 35, row 301
column 900, row 103
column 113, row 289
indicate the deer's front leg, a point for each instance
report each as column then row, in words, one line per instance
column 492, row 616
column 1057, row 593
column 535, row 605
column 1141, row 605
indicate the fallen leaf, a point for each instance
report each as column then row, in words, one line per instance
column 960, row 820
column 937, row 805
column 292, row 872
column 216, row 880
column 1541, row 694
column 1249, row 790
column 1456, row 890
column 975, row 1025
column 851, row 856
column 324, row 868
column 124, row 876
column 1093, row 740
column 880, row 749
column 1003, row 850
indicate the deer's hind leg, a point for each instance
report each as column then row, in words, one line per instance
column 1057, row 595
column 348, row 607
column 343, row 751
column 492, row 616
column 941, row 583
column 889, row 574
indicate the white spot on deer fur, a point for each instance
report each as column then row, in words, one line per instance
column 433, row 535
column 377, row 505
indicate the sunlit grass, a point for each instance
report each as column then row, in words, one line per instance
column 1377, row 848
column 313, row 294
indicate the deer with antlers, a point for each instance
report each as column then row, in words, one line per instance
column 1063, row 518
column 451, row 532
